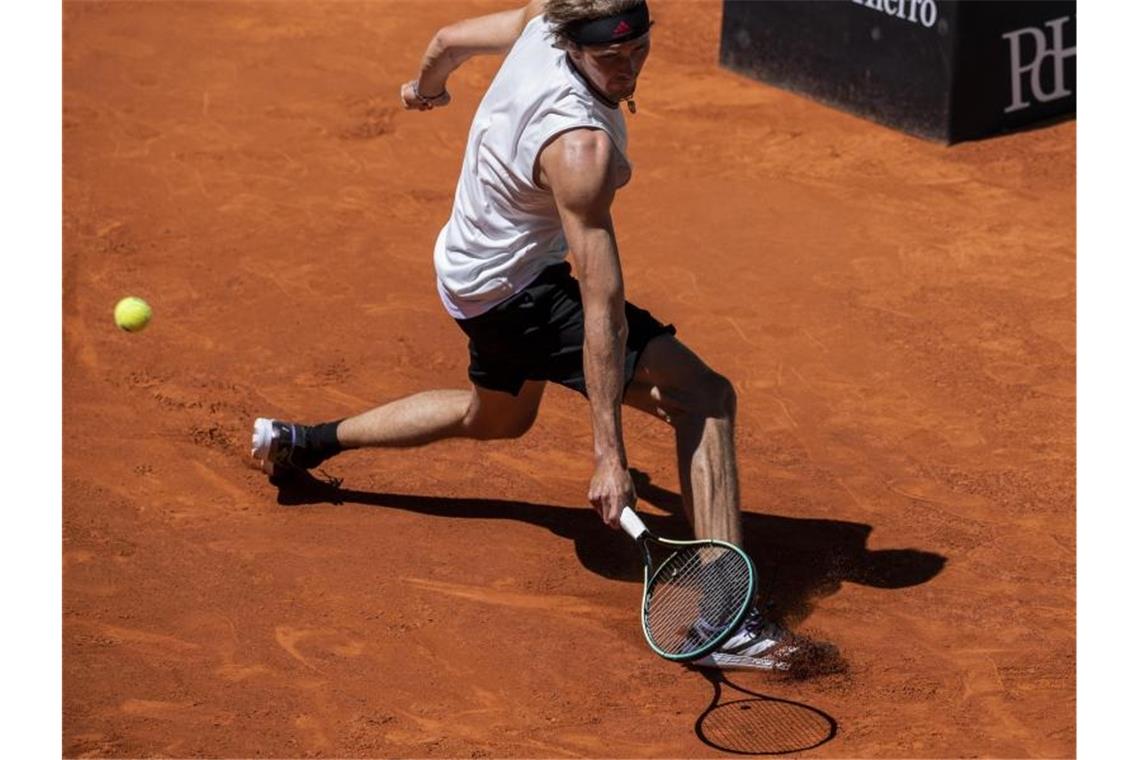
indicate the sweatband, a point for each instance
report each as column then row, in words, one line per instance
column 611, row 29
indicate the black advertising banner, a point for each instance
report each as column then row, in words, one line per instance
column 1016, row 65
column 943, row 69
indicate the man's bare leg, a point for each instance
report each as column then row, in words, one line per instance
column 434, row 415
column 673, row 384
column 283, row 448
column 706, row 453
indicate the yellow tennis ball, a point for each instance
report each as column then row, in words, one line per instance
column 132, row 314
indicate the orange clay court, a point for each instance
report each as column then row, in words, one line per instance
column 897, row 317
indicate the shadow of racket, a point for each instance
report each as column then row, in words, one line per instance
column 757, row 724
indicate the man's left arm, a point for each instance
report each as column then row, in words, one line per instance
column 455, row 43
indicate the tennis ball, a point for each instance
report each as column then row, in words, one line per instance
column 132, row 314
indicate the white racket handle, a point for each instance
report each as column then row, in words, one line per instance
column 632, row 524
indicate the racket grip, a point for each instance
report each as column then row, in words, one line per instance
column 632, row 524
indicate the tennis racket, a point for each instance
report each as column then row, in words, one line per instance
column 695, row 597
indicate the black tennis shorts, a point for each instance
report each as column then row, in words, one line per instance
column 538, row 335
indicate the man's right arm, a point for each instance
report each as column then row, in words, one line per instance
column 579, row 169
column 455, row 43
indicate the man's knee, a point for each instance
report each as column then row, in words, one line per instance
column 484, row 427
column 716, row 396
column 708, row 396
column 711, row 395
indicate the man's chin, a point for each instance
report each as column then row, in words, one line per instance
column 624, row 93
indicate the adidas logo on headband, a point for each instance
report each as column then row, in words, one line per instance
column 611, row 29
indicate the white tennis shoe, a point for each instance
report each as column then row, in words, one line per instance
column 279, row 448
column 757, row 645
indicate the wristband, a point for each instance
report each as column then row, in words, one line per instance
column 432, row 100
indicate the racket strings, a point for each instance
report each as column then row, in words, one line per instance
column 695, row 596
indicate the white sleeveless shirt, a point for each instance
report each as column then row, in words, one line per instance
column 505, row 229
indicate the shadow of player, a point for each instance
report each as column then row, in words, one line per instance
column 804, row 559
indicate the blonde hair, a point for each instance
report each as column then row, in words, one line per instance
column 563, row 13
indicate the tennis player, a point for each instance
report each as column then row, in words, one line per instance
column 545, row 156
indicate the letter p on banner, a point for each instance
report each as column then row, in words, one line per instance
column 1041, row 52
